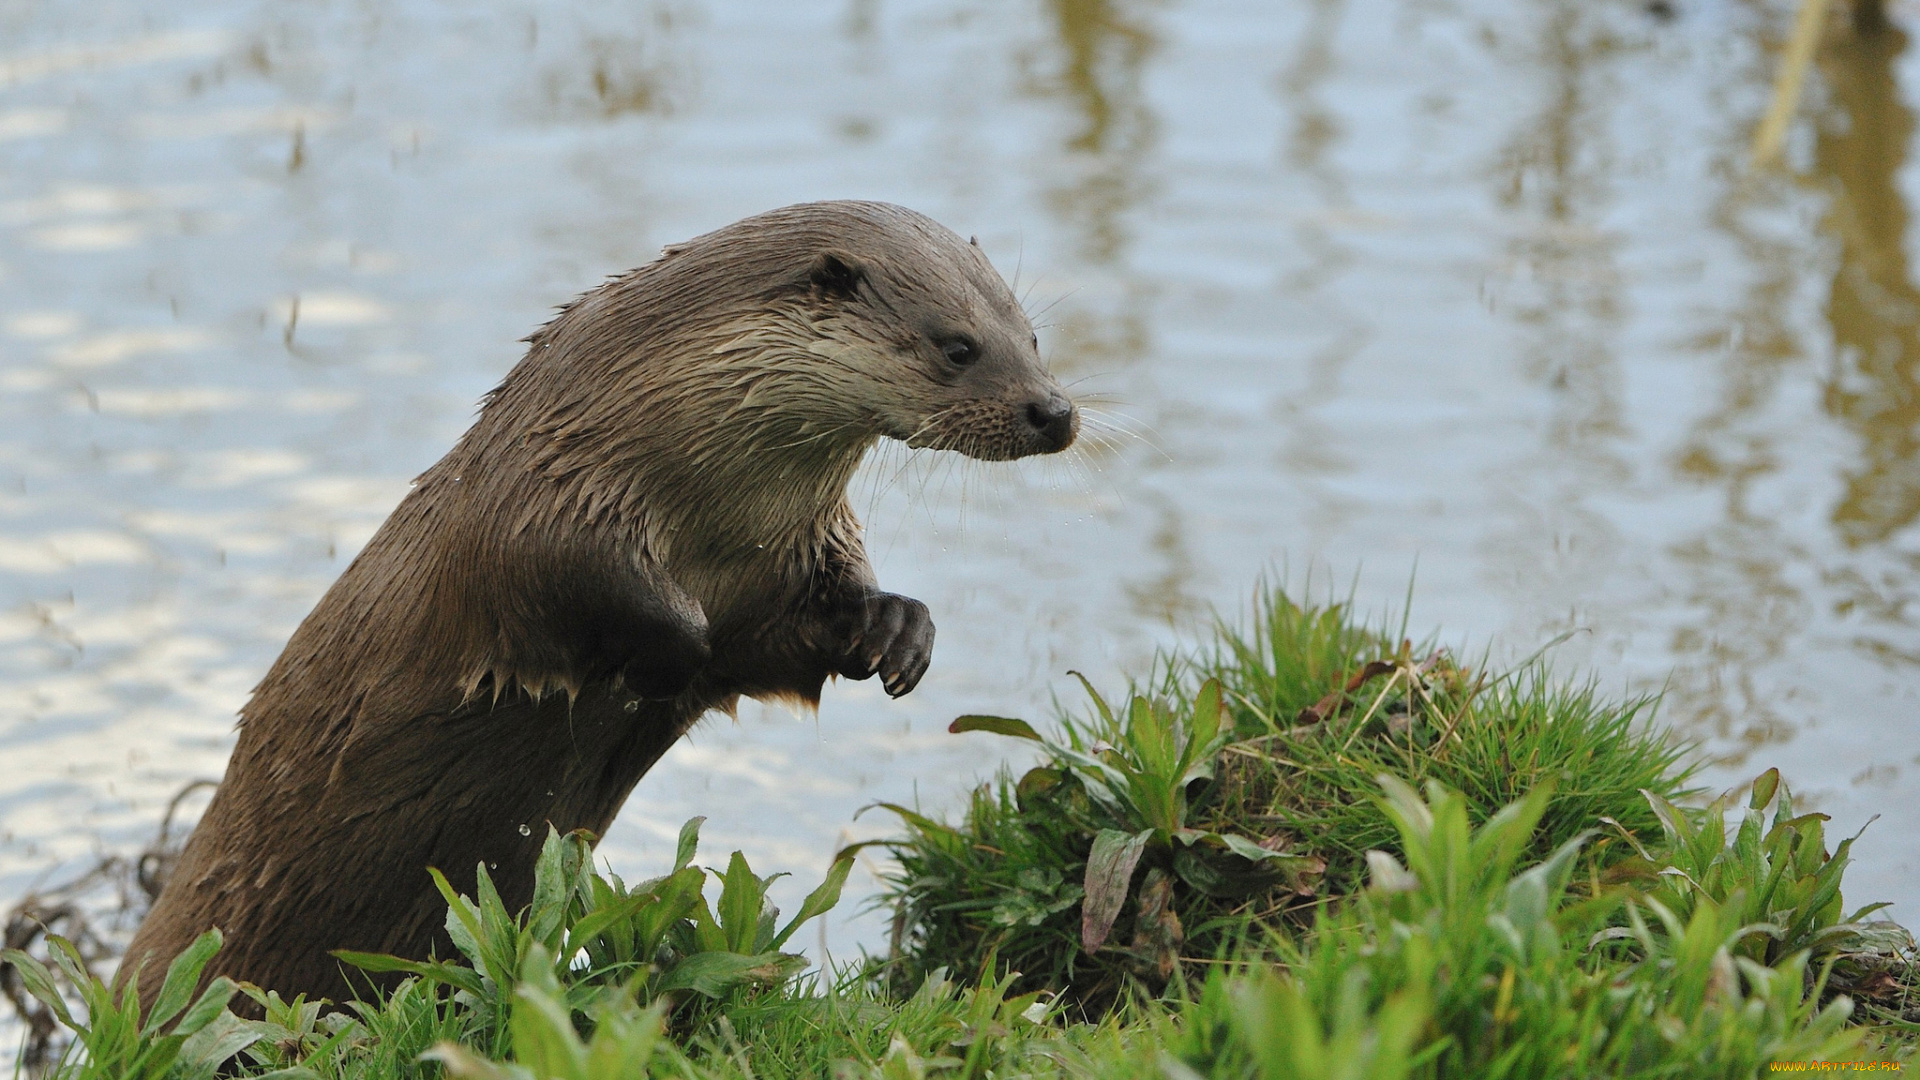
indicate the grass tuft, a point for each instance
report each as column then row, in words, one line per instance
column 1313, row 705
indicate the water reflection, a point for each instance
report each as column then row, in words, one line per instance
column 1556, row 178
column 1734, row 572
column 1874, row 308
column 1104, row 46
column 1313, row 133
column 1094, row 63
column 1315, row 127
column 632, row 67
column 1759, row 569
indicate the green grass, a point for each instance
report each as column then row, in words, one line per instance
column 1316, row 705
column 1308, row 850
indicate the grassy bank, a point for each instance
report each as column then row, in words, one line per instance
column 1310, row 848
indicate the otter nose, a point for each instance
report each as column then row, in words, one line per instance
column 1055, row 421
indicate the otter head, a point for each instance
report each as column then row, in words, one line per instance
column 949, row 360
column 886, row 323
column 765, row 357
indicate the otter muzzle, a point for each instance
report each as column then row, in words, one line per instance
column 1054, row 423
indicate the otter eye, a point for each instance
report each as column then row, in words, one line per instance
column 959, row 351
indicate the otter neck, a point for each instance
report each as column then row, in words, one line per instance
column 759, row 519
column 762, row 494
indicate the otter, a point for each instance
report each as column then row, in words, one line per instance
column 647, row 520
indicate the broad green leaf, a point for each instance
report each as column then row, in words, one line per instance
column 1209, row 712
column 543, row 1036
column 1764, row 786
column 156, row 1059
column 219, row 1039
column 689, row 843
column 1672, row 821
column 1249, row 850
column 1826, row 894
column 39, row 982
column 584, row 932
column 1110, row 786
column 499, row 932
column 1110, row 868
column 763, row 926
column 554, row 876
column 707, row 935
column 211, row 1004
column 998, row 725
column 456, row 975
column 714, row 973
column 1220, row 867
column 680, row 896
column 1405, row 806
column 821, row 900
column 99, row 999
column 1533, row 894
column 463, row 920
column 183, row 975
column 1496, row 844
column 1867, row 910
column 1763, row 900
column 1150, row 735
column 465, row 1064
column 623, row 1044
column 1385, row 874
column 1035, row 782
column 742, row 894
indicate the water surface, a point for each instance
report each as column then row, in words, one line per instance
column 1482, row 285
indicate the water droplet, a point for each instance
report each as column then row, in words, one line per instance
column 493, row 866
column 526, row 830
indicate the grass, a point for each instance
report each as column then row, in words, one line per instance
column 1309, row 849
column 1314, row 705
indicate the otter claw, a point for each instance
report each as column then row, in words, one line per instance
column 894, row 640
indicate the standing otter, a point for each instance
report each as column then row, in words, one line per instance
column 648, row 520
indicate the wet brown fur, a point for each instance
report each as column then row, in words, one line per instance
column 647, row 520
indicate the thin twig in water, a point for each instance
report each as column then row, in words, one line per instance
column 1771, row 136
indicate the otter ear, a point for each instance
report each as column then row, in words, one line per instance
column 836, row 275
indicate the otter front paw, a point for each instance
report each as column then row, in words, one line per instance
column 889, row 635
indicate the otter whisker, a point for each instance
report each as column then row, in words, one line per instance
column 1103, row 421
column 882, row 485
column 926, row 425
column 931, row 422
column 1086, row 379
column 1057, row 301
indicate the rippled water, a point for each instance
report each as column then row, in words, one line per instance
column 1484, row 285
